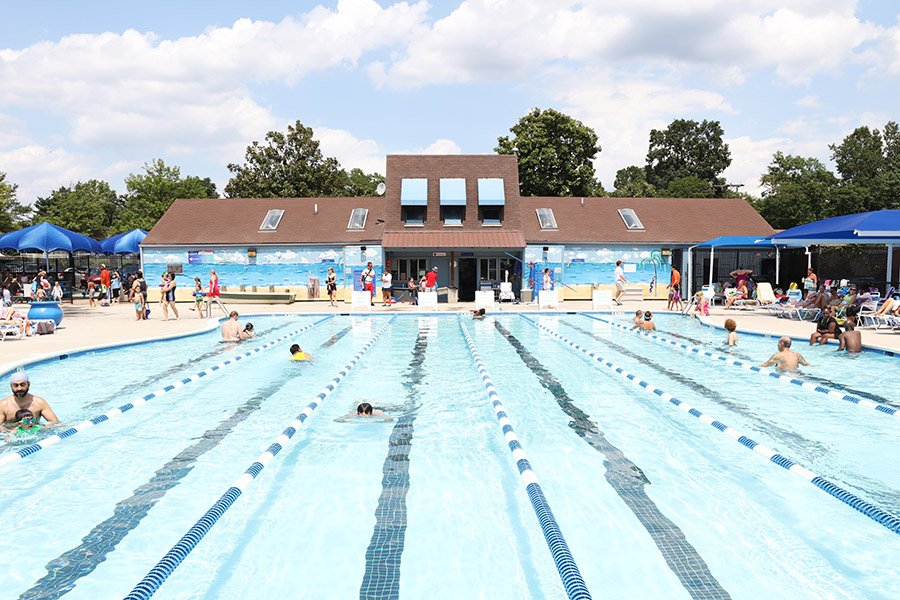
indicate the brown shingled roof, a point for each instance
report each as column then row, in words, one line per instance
column 453, row 239
column 665, row 220
column 237, row 221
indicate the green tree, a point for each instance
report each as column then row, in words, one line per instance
column 796, row 190
column 88, row 207
column 687, row 149
column 13, row 215
column 150, row 194
column 869, row 164
column 288, row 165
column 631, row 182
column 556, row 154
column 689, row 187
column 357, row 183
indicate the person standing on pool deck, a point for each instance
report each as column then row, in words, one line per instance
column 786, row 359
column 386, row 282
column 431, row 279
column 22, row 399
column 331, row 286
column 621, row 280
column 367, row 279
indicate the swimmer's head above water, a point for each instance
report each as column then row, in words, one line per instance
column 295, row 348
column 364, row 410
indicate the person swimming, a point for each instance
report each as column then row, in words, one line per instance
column 26, row 423
column 365, row 411
column 297, row 354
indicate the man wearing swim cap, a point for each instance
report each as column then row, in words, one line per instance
column 22, row 399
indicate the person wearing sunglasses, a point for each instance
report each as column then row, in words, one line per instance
column 22, row 399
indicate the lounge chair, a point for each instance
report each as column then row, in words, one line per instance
column 506, row 293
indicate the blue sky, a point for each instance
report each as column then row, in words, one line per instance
column 96, row 89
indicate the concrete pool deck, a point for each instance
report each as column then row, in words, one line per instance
column 87, row 327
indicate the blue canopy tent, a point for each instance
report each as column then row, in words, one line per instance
column 732, row 242
column 47, row 238
column 124, row 243
column 876, row 227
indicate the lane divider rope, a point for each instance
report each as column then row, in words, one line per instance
column 176, row 555
column 806, row 385
column 568, row 570
column 877, row 514
column 66, row 434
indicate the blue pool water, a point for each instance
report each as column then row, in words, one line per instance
column 652, row 501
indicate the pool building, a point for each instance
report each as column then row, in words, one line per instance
column 462, row 214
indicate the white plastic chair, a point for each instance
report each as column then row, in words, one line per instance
column 506, row 293
column 428, row 300
column 361, row 299
column 484, row 300
column 602, row 298
column 548, row 298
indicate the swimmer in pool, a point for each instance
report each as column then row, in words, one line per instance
column 26, row 424
column 365, row 412
column 297, row 354
column 478, row 313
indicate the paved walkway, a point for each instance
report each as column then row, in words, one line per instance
column 83, row 326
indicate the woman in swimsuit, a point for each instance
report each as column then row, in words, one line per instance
column 168, row 289
column 331, row 286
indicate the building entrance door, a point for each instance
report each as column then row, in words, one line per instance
column 468, row 279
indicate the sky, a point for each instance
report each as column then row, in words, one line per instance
column 97, row 88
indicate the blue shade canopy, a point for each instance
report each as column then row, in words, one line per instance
column 453, row 192
column 47, row 237
column 736, row 241
column 877, row 227
column 124, row 243
column 490, row 192
column 413, row 192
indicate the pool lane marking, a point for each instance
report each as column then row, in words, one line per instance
column 628, row 481
column 381, row 579
column 65, row 570
column 877, row 514
column 175, row 385
column 176, row 555
column 715, row 356
column 565, row 564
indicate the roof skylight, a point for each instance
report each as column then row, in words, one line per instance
column 631, row 219
column 273, row 218
column 358, row 218
column 546, row 218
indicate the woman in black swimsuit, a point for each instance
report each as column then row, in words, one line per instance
column 331, row 286
column 169, row 297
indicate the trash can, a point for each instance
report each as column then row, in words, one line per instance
column 525, row 295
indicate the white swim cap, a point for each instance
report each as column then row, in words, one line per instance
column 19, row 376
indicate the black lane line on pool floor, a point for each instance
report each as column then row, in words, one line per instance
column 382, row 577
column 65, row 570
column 628, row 481
column 139, row 386
column 813, row 449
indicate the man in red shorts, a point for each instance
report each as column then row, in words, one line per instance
column 367, row 279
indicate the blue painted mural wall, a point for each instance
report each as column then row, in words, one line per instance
column 595, row 264
column 279, row 266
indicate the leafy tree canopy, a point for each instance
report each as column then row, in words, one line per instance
column 689, row 187
column 13, row 215
column 88, row 207
column 556, row 154
column 356, row 182
column 687, row 149
column 796, row 190
column 631, row 182
column 288, row 165
column 150, row 194
column 869, row 164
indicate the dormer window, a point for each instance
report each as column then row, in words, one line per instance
column 632, row 223
column 546, row 218
column 273, row 218
column 358, row 218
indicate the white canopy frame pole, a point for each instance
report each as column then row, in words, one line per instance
column 777, row 264
column 808, row 258
column 712, row 254
column 890, row 266
column 690, row 275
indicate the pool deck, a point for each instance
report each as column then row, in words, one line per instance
column 83, row 326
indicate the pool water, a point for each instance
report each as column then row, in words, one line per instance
column 653, row 502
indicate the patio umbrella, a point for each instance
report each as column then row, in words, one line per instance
column 47, row 238
column 124, row 243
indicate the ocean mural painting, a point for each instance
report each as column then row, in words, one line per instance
column 297, row 266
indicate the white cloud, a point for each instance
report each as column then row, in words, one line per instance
column 439, row 146
column 810, row 101
column 37, row 169
column 350, row 151
column 749, row 160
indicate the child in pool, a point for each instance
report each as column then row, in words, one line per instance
column 297, row 354
column 730, row 327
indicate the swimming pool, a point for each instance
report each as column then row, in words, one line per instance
column 652, row 501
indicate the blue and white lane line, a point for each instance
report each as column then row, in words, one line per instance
column 565, row 564
column 68, row 433
column 806, row 385
column 877, row 514
column 176, row 555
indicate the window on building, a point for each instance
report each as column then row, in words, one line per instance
column 413, row 215
column 631, row 219
column 489, row 270
column 453, row 215
column 273, row 218
column 405, row 268
column 358, row 218
column 491, row 215
column 546, row 218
